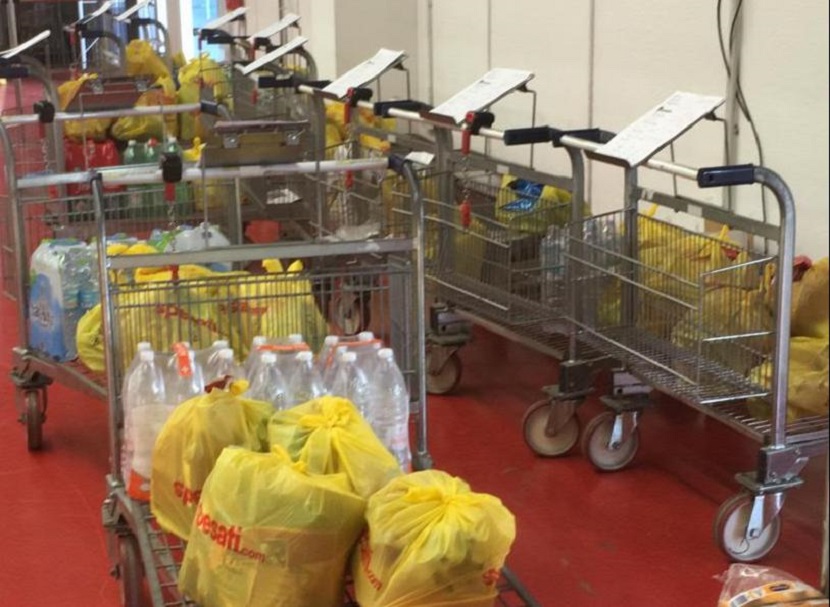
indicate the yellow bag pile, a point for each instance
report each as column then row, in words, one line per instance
column 808, row 389
column 142, row 128
column 78, row 130
column 329, row 436
column 142, row 60
column 275, row 305
column 431, row 542
column 201, row 71
column 213, row 194
column 336, row 114
column 189, row 444
column 270, row 532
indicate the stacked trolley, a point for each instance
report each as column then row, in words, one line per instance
column 696, row 330
column 386, row 266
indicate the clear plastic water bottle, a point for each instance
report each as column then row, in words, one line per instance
column 330, row 371
column 389, row 410
column 254, row 355
column 146, row 409
column 327, row 351
column 223, row 365
column 133, row 155
column 351, row 383
column 305, row 384
column 185, row 377
column 86, row 269
column 367, row 355
column 139, row 348
column 184, row 199
column 268, row 385
column 71, row 306
column 206, row 356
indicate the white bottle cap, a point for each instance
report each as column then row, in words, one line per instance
column 268, row 358
column 146, row 356
column 331, row 340
column 295, row 338
column 186, row 344
column 259, row 340
column 304, row 356
column 144, row 345
column 341, row 349
column 132, row 142
column 221, row 344
column 226, row 354
column 348, row 357
column 386, row 353
column 365, row 336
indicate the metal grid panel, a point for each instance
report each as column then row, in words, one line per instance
column 251, row 101
column 490, row 260
column 686, row 310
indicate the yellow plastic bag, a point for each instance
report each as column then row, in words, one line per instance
column 808, row 388
column 431, row 542
column 267, row 532
column 142, row 60
column 143, row 128
column 274, row 306
column 78, row 130
column 811, row 302
column 213, row 194
column 329, row 435
column 189, row 444
column 201, row 71
column 90, row 339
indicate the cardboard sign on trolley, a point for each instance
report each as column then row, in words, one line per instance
column 482, row 93
column 23, row 47
column 657, row 128
column 275, row 28
column 364, row 73
column 274, row 55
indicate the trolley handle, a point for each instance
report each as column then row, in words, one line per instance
column 397, row 163
column 723, row 176
column 382, row 108
column 537, row 134
column 214, row 108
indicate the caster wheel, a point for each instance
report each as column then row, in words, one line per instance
column 444, row 380
column 540, row 440
column 130, row 572
column 34, row 422
column 730, row 531
column 595, row 444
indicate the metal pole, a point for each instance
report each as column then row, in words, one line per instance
column 733, row 110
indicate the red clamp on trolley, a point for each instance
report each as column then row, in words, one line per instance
column 473, row 123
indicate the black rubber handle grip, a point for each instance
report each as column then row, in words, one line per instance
column 210, row 108
column 381, row 108
column 537, row 134
column 14, row 72
column 716, row 177
column 397, row 163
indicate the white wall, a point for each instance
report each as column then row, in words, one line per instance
column 641, row 52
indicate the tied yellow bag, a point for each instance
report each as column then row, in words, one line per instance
column 90, row 339
column 269, row 533
column 142, row 60
column 431, row 542
column 329, row 435
column 78, row 130
column 811, row 302
column 159, row 127
column 189, row 444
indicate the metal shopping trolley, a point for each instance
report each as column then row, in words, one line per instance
column 694, row 316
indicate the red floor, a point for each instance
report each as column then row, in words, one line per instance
column 636, row 537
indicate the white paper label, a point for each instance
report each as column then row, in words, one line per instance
column 26, row 45
column 654, row 130
column 274, row 55
column 101, row 10
column 275, row 28
column 422, row 158
column 488, row 89
column 365, row 72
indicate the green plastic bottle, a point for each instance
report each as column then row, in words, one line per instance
column 184, row 198
column 134, row 201
column 154, row 193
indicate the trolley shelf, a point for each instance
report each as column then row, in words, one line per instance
column 72, row 374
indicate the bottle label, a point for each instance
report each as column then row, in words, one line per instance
column 182, row 355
